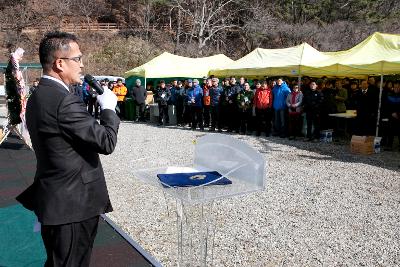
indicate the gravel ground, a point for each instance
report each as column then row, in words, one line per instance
column 322, row 205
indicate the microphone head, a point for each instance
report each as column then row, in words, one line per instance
column 93, row 83
column 88, row 78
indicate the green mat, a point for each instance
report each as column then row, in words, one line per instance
column 20, row 246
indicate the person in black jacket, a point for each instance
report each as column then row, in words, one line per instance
column 163, row 95
column 312, row 102
column 232, row 109
column 139, row 95
column 34, row 86
column 180, row 103
column 69, row 191
column 392, row 103
column 328, row 106
column 367, row 109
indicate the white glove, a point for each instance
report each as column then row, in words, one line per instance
column 108, row 100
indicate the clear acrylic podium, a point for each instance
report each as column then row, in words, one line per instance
column 196, row 218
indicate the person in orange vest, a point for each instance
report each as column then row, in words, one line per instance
column 120, row 91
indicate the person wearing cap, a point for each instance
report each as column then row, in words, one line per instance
column 162, row 97
column 139, row 95
column 206, row 102
column 215, row 95
column 195, row 101
column 120, row 91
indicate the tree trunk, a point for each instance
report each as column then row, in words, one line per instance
column 178, row 31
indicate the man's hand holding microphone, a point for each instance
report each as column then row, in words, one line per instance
column 106, row 99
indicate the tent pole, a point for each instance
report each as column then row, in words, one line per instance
column 379, row 106
column 299, row 81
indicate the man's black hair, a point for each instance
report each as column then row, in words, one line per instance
column 51, row 43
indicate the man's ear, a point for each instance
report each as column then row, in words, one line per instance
column 58, row 65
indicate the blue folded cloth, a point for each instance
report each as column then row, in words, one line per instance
column 192, row 179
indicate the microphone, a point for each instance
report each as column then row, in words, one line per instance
column 95, row 84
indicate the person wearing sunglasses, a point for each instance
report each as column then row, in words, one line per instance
column 69, row 191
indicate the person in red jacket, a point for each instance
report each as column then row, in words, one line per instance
column 263, row 108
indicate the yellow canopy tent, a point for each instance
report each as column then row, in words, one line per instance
column 292, row 61
column 168, row 65
column 379, row 54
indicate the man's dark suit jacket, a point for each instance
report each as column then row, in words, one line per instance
column 69, row 184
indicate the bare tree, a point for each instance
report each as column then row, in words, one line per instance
column 89, row 9
column 61, row 8
column 208, row 18
column 17, row 17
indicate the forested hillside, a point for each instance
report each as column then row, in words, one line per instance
column 146, row 28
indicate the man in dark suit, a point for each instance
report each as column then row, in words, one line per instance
column 367, row 109
column 69, row 191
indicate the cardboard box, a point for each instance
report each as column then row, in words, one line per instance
column 362, row 144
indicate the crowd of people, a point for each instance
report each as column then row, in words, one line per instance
column 274, row 106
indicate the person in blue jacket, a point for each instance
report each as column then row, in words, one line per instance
column 280, row 93
column 195, row 101
column 215, row 95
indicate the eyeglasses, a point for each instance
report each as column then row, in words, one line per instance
column 77, row 59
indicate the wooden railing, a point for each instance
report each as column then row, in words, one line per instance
column 70, row 27
column 77, row 27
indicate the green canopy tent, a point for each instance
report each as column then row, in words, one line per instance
column 167, row 66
